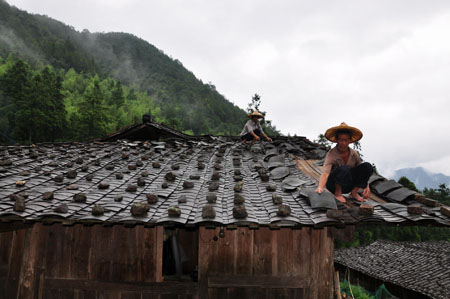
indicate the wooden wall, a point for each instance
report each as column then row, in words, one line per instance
column 56, row 261
column 266, row 263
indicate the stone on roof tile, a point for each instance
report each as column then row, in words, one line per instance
column 97, row 210
column 62, row 208
column 151, row 198
column 188, row 184
column 284, row 210
column 80, row 197
column 239, row 211
column 208, row 212
column 238, row 199
column 19, row 204
column 139, row 209
column 174, row 211
column 131, row 188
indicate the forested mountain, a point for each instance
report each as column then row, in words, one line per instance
column 179, row 99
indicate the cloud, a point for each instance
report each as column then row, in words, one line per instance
column 379, row 65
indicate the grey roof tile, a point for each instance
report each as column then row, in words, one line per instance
column 104, row 161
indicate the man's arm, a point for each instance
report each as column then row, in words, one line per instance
column 264, row 133
column 366, row 192
column 322, row 182
column 267, row 137
column 254, row 135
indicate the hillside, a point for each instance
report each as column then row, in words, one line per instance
column 422, row 178
column 183, row 100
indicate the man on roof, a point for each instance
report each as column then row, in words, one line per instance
column 343, row 170
column 252, row 130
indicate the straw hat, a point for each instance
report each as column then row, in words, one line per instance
column 356, row 134
column 255, row 113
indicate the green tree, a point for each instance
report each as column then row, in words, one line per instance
column 265, row 124
column 441, row 194
column 17, row 86
column 117, row 97
column 93, row 112
column 324, row 142
column 407, row 183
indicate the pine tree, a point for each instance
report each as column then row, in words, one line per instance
column 93, row 112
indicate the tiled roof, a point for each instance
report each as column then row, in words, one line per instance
column 421, row 267
column 186, row 182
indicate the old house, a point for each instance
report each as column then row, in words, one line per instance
column 153, row 213
column 409, row 269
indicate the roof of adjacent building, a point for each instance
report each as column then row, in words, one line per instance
column 189, row 181
column 423, row 267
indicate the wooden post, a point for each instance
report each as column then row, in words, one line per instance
column 337, row 286
column 159, row 253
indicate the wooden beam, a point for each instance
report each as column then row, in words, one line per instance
column 13, row 226
column 157, row 288
column 270, row 282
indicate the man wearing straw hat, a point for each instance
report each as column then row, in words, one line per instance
column 252, row 130
column 343, row 171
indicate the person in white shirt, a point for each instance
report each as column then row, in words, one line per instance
column 252, row 130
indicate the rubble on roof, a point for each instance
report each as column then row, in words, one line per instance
column 189, row 182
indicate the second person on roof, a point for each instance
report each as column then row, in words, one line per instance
column 252, row 130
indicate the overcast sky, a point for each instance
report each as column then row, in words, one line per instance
column 382, row 66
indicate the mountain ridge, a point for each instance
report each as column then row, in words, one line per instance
column 179, row 94
column 422, row 178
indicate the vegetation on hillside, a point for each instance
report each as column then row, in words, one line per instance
column 44, row 104
column 180, row 99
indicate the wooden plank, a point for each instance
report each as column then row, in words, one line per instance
column 5, row 247
column 305, row 256
column 243, row 250
column 330, row 265
column 103, row 253
column 130, row 295
column 274, row 251
column 158, row 254
column 119, row 264
column 15, row 262
column 218, row 293
column 262, row 255
column 205, row 256
column 29, row 260
column 315, row 261
column 41, row 260
column 81, row 240
column 285, row 251
column 306, row 169
column 107, row 294
column 247, row 293
column 241, row 281
column 147, row 288
column 224, row 254
column 64, row 254
column 326, row 254
column 205, row 251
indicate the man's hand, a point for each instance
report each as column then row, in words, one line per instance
column 269, row 139
column 366, row 192
column 257, row 138
column 319, row 190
